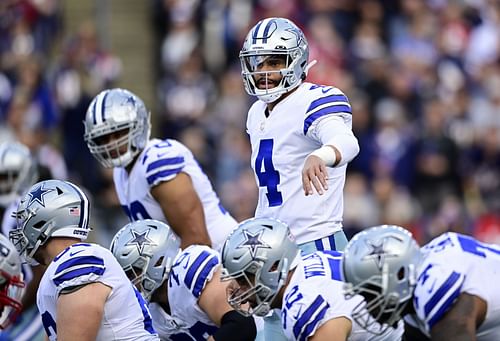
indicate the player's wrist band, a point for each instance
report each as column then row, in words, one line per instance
column 327, row 154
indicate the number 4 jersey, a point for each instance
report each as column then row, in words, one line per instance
column 125, row 316
column 280, row 145
column 454, row 264
column 161, row 161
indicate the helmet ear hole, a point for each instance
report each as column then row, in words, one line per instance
column 401, row 273
column 39, row 225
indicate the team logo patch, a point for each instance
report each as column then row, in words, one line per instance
column 253, row 242
column 140, row 240
column 38, row 195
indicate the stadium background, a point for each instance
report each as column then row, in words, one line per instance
column 423, row 77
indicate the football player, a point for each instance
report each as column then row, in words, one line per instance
column 11, row 283
column 187, row 298
column 18, row 171
column 268, row 272
column 446, row 290
column 154, row 179
column 84, row 294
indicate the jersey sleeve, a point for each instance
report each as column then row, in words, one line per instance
column 194, row 267
column 79, row 265
column 329, row 102
column 162, row 162
column 437, row 289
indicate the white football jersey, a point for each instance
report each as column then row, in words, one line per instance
column 454, row 264
column 280, row 145
column 190, row 272
column 162, row 161
column 315, row 295
column 126, row 315
column 165, row 325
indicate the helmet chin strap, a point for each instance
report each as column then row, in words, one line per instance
column 310, row 65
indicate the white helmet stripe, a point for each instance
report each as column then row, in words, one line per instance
column 98, row 110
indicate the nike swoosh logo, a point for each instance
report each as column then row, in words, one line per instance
column 160, row 155
column 74, row 253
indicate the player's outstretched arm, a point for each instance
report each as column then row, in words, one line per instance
column 79, row 313
column 232, row 325
column 337, row 329
column 462, row 320
column 183, row 209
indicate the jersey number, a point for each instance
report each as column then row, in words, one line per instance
column 49, row 323
column 136, row 211
column 268, row 176
column 471, row 245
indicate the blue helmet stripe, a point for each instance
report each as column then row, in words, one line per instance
column 266, row 31
column 94, row 111
column 103, row 106
column 255, row 32
column 84, row 203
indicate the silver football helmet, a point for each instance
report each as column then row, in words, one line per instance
column 18, row 171
column 51, row 208
column 11, row 283
column 274, row 36
column 381, row 264
column 258, row 255
column 146, row 249
column 118, row 112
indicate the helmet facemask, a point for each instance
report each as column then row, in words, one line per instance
column 11, row 292
column 379, row 305
column 116, row 112
column 274, row 37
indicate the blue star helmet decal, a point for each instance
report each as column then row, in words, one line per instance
column 38, row 195
column 253, row 242
column 378, row 252
column 140, row 240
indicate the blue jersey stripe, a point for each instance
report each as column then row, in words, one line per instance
column 77, row 273
column 312, row 325
column 202, row 277
column 441, row 292
column 303, row 325
column 188, row 280
column 78, row 261
column 152, row 178
column 165, row 162
column 334, row 109
column 333, row 99
column 335, row 268
column 444, row 307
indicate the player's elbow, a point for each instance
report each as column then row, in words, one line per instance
column 348, row 147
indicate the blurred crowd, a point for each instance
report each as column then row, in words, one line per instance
column 422, row 76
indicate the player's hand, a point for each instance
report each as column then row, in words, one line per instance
column 314, row 174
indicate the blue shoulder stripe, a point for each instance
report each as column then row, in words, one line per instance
column 304, row 326
column 328, row 99
column 162, row 174
column 444, row 307
column 165, row 162
column 335, row 109
column 335, row 268
column 78, row 266
column 449, row 284
column 199, row 275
